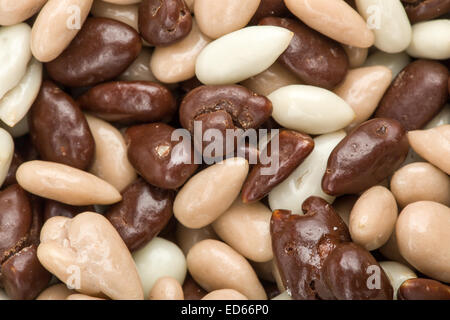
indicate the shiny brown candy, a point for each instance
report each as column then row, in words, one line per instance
column 293, row 148
column 143, row 212
column 15, row 219
column 416, row 95
column 130, row 101
column 162, row 162
column 369, row 154
column 352, row 273
column 239, row 106
column 314, row 58
column 422, row 10
column 59, row 130
column 163, row 22
column 54, row 208
column 102, row 50
column 301, row 244
column 269, row 8
column 23, row 275
column 423, row 289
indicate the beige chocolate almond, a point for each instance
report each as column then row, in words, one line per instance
column 215, row 265
column 65, row 184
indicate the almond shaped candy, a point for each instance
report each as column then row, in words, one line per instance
column 305, row 181
column 14, row 55
column 423, row 289
column 102, row 50
column 215, row 265
column 389, row 23
column 176, row 62
column 310, row 109
column 90, row 247
column 219, row 17
column 16, row 11
column 363, row 89
column 373, row 217
column 15, row 103
column 423, row 238
column 420, row 181
column 241, row 54
column 368, row 155
column 430, row 40
column 56, row 25
column 433, row 145
column 210, row 193
column 110, row 161
column 416, row 95
column 246, row 228
column 6, row 156
column 335, row 19
column 65, row 184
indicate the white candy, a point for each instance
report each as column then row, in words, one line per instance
column 159, row 258
column 241, row 54
column 431, row 40
column 394, row 61
column 16, row 103
column 389, row 23
column 6, row 154
column 306, row 180
column 397, row 274
column 310, row 109
column 14, row 55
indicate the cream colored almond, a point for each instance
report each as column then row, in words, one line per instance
column 397, row 274
column 55, row 292
column 176, row 62
column 187, row 238
column 363, row 89
column 420, row 181
column 433, row 145
column 246, row 228
column 79, row 296
column 215, row 265
column 389, row 23
column 210, row 193
column 88, row 253
column 219, row 17
column 335, row 19
column 372, row 219
column 56, row 25
column 65, row 184
column 430, row 40
column 225, row 294
column 127, row 14
column 166, row 288
column 356, row 56
column 310, row 109
column 14, row 55
column 241, row 54
column 268, row 81
column 16, row 11
column 424, row 240
column 15, row 104
column 110, row 161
